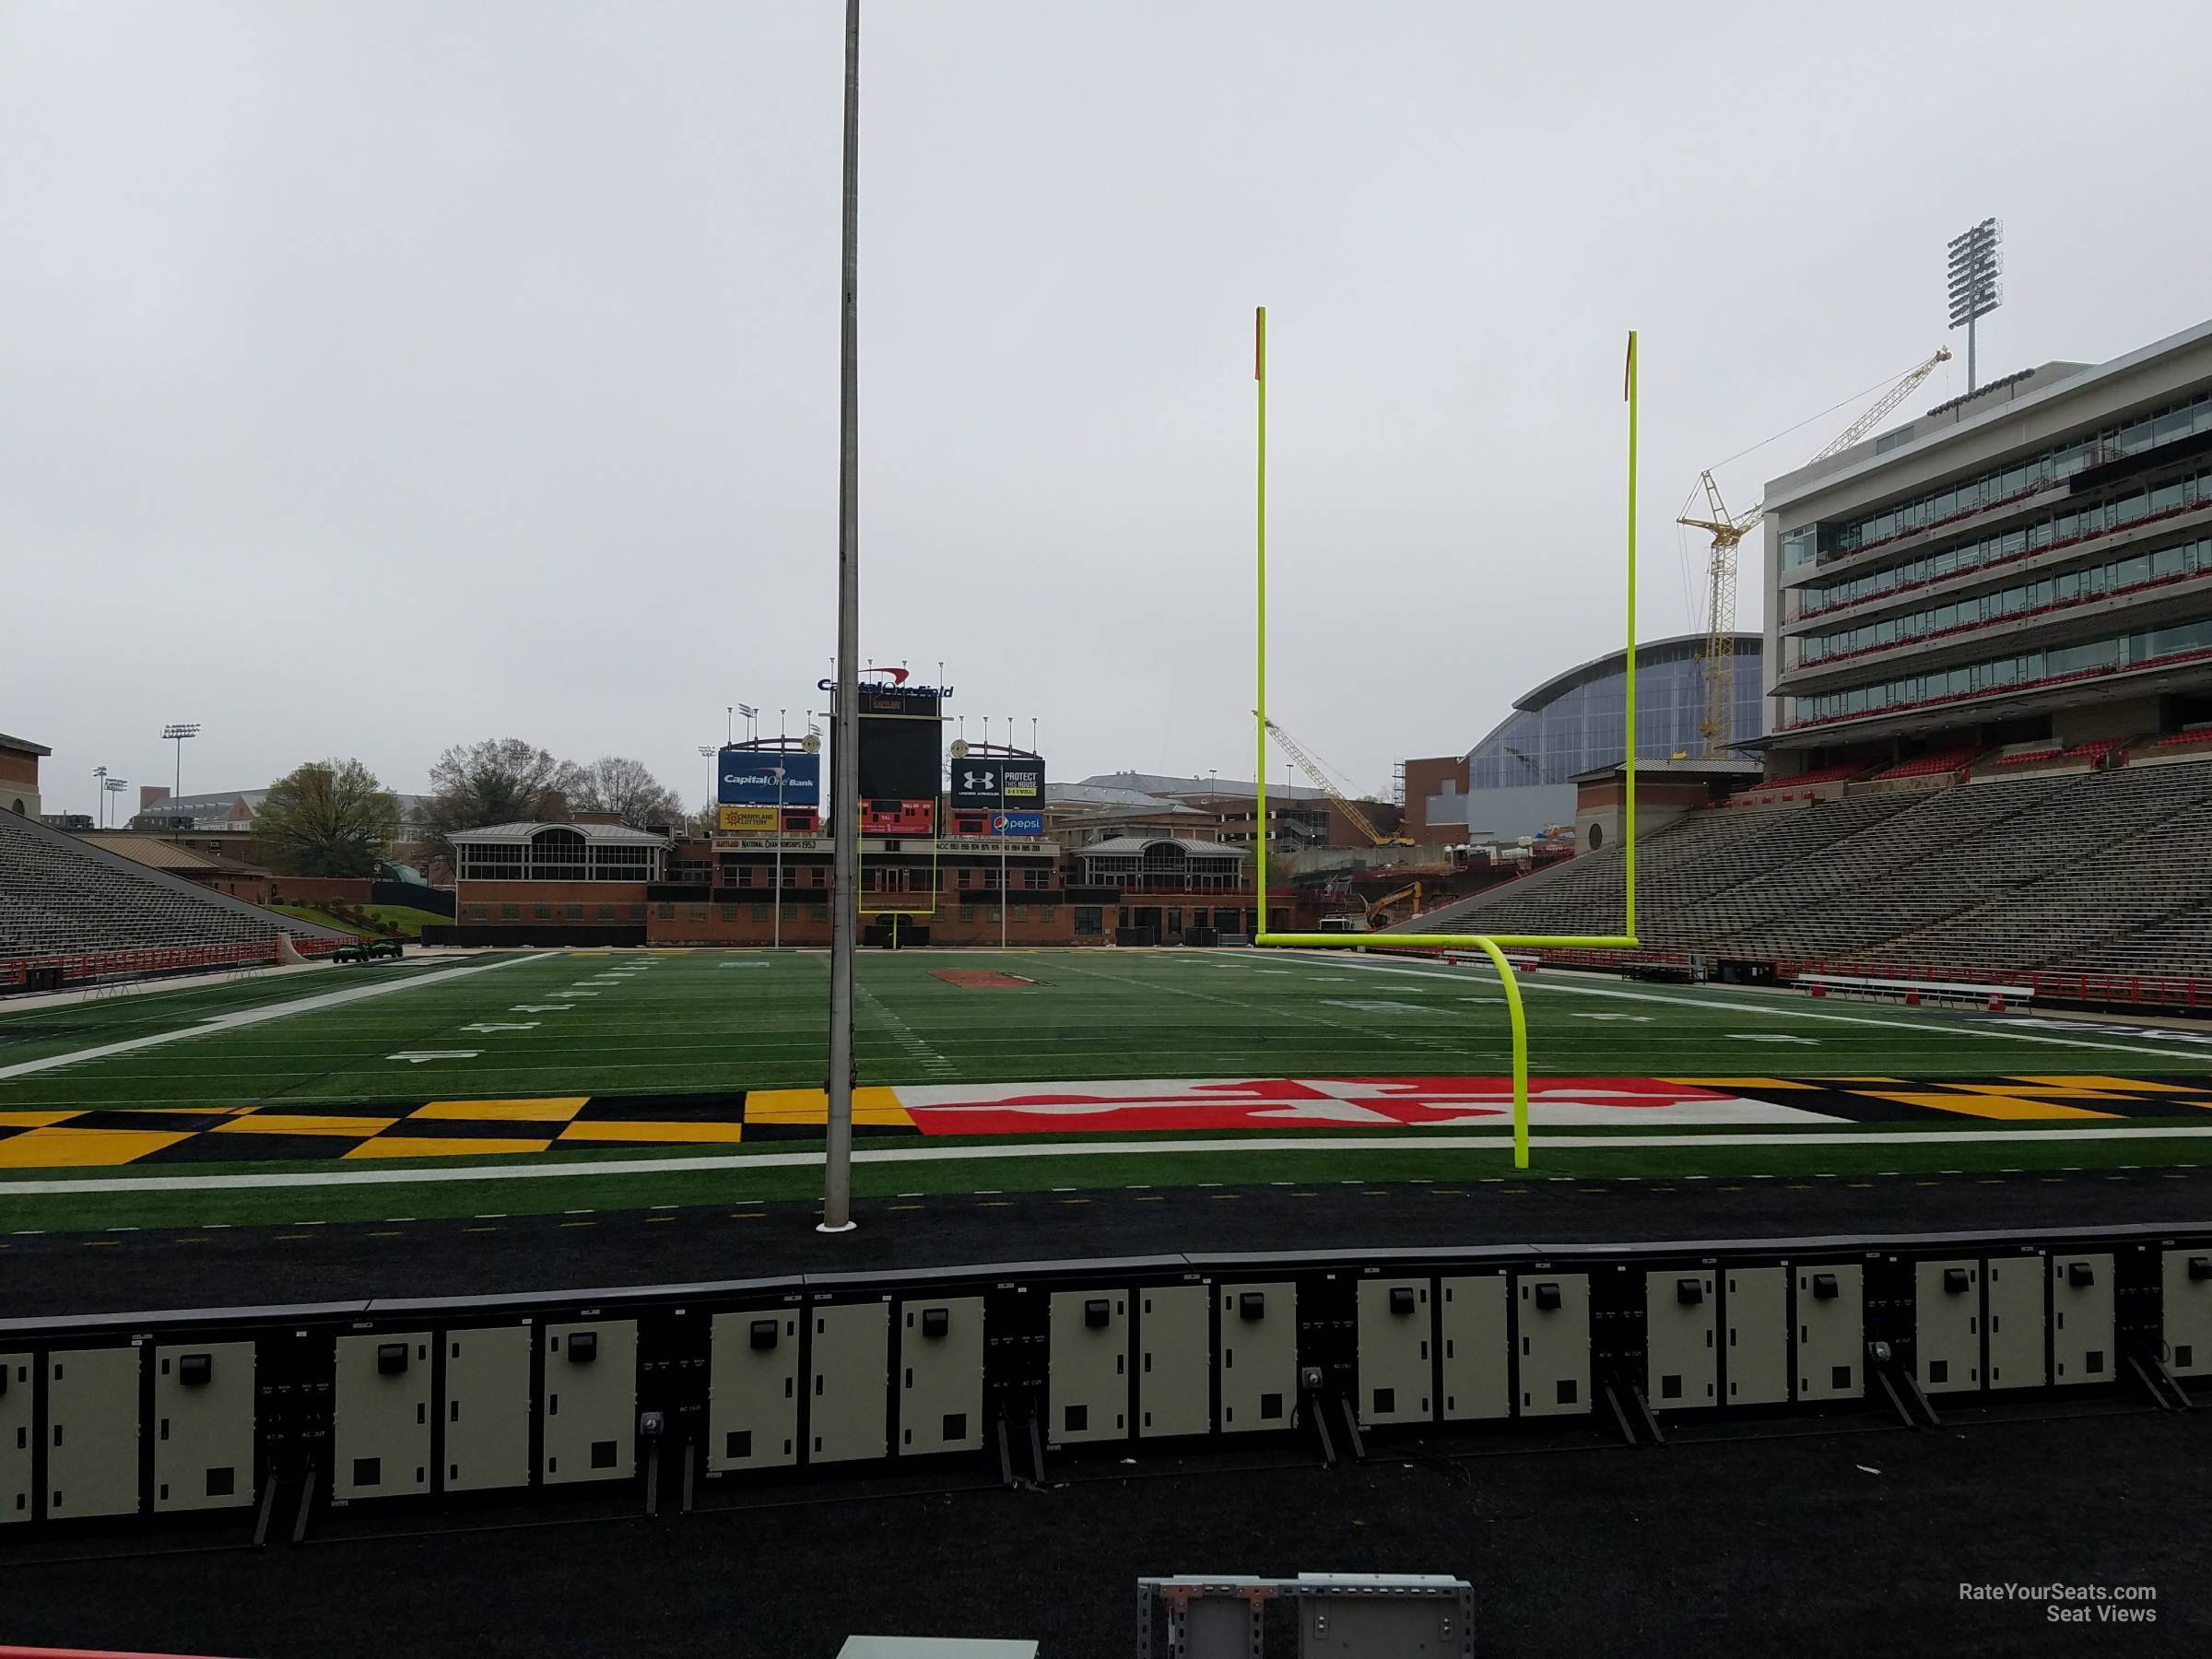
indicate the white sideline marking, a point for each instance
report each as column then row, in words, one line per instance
column 417, row 1056
column 246, row 1017
column 740, row 1161
column 1959, row 1028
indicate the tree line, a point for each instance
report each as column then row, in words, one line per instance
column 335, row 818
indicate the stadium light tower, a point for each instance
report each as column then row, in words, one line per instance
column 176, row 732
column 1975, row 264
column 114, row 786
column 100, row 793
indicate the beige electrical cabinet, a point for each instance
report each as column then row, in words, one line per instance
column 2081, row 1320
column 488, row 1408
column 2185, row 1303
column 381, row 1412
column 1553, row 1310
column 1757, row 1308
column 1174, row 1376
column 1681, row 1360
column 1474, row 1336
column 2013, row 1312
column 1396, row 1352
column 1946, row 1326
column 16, row 1430
column 851, row 1381
column 941, row 1375
column 1087, row 1390
column 204, row 1400
column 590, row 1401
column 1829, row 1356
column 753, row 1403
column 1258, row 1355
column 92, row 1433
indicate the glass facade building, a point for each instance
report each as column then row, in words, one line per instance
column 1519, row 777
column 1573, row 723
column 2029, row 564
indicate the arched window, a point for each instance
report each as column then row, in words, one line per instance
column 558, row 853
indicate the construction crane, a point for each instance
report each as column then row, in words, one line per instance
column 1717, row 665
column 1307, row 764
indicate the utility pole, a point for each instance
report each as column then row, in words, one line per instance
column 845, row 924
column 1003, row 895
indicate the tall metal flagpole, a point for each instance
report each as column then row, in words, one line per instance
column 844, row 926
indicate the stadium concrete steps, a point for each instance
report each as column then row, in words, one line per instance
column 61, row 896
column 2105, row 871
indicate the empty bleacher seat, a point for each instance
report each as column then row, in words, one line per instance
column 60, row 897
column 2099, row 872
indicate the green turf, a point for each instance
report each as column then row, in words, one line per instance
column 733, row 1021
column 713, row 1020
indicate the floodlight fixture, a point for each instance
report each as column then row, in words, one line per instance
column 1975, row 263
column 176, row 732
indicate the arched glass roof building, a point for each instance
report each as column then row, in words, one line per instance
column 1518, row 779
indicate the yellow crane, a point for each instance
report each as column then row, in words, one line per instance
column 1307, row 764
column 1727, row 529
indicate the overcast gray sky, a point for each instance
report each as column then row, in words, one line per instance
column 377, row 376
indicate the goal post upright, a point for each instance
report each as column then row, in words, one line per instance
column 1493, row 946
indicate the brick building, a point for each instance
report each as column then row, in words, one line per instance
column 19, row 775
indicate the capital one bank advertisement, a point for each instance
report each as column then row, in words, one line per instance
column 746, row 785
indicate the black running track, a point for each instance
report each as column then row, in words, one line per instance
column 156, row 1269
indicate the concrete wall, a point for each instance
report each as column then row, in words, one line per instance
column 1597, row 810
column 2122, row 717
column 1508, row 814
column 485, row 901
column 1438, row 778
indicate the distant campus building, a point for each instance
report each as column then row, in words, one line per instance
column 1519, row 779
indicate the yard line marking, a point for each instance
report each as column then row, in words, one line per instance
column 1957, row 1029
column 1470, row 1141
column 247, row 1017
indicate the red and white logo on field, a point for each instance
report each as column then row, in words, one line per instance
column 1323, row 1103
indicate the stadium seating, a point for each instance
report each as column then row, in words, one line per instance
column 2099, row 872
column 1924, row 766
column 60, row 897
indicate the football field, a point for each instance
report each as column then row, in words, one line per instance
column 636, row 1072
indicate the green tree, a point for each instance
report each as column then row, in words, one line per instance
column 327, row 817
column 498, row 780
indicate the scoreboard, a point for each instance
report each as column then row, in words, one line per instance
column 901, row 742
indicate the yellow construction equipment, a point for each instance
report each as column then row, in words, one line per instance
column 1717, row 671
column 1307, row 764
column 1377, row 911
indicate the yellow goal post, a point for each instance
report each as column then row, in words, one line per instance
column 1493, row 946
